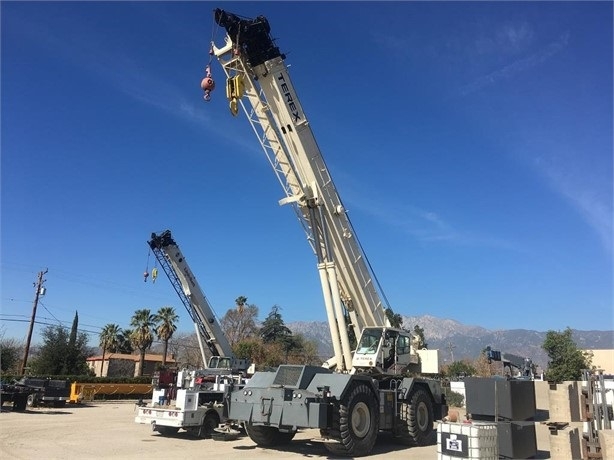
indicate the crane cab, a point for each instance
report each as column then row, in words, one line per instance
column 385, row 350
column 227, row 363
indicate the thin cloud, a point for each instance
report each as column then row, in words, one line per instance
column 595, row 208
column 117, row 68
column 516, row 36
column 425, row 226
column 507, row 39
column 517, row 67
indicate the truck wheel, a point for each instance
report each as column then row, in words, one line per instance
column 358, row 423
column 268, row 436
column 20, row 401
column 210, row 423
column 32, row 400
column 415, row 422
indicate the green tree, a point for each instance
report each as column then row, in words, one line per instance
column 52, row 356
column 419, row 335
column 276, row 344
column 240, row 323
column 395, row 319
column 301, row 351
column 141, row 338
column 10, row 351
column 251, row 348
column 565, row 360
column 109, row 341
column 125, row 342
column 72, row 352
column 166, row 319
column 273, row 328
column 241, row 301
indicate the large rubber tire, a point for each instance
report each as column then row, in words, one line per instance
column 268, row 436
column 20, row 402
column 415, row 423
column 358, row 423
column 210, row 423
column 32, row 400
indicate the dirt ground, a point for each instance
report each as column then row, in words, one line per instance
column 107, row 430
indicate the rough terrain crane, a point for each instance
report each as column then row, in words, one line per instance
column 198, row 395
column 361, row 391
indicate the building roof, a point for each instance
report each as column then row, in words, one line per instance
column 148, row 357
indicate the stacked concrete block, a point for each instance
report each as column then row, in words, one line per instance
column 566, row 413
column 606, row 442
column 511, row 405
column 565, row 444
column 564, row 401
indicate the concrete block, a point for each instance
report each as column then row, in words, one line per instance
column 606, row 442
column 564, row 402
column 565, row 444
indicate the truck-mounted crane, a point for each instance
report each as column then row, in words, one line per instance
column 198, row 395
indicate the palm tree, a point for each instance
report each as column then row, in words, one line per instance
column 109, row 341
column 125, row 345
column 165, row 319
column 141, row 337
column 241, row 301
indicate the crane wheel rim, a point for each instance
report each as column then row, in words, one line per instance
column 422, row 416
column 361, row 419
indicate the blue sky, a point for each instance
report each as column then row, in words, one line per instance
column 470, row 142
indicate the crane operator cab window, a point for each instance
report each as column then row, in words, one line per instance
column 219, row 362
column 369, row 341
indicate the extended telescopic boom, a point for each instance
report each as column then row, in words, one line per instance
column 257, row 73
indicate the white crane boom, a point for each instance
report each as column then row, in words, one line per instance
column 174, row 264
column 257, row 73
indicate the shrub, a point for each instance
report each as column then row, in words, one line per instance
column 455, row 399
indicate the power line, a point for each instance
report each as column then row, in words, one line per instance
column 43, row 305
column 11, row 320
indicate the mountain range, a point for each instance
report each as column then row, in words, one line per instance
column 456, row 341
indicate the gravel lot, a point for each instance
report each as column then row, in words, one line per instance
column 108, row 430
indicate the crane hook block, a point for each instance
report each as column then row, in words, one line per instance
column 207, row 84
column 145, row 275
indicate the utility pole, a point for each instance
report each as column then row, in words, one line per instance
column 39, row 291
column 451, row 348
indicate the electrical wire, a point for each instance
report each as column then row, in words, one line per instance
column 43, row 305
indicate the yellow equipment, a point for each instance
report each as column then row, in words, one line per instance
column 80, row 392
